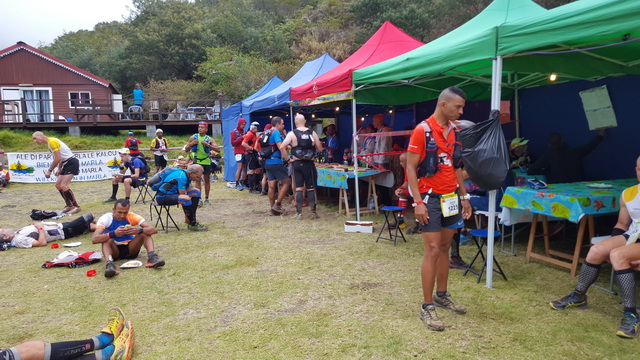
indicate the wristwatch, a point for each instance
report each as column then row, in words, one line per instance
column 417, row 203
column 465, row 197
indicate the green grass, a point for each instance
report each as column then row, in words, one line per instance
column 261, row 287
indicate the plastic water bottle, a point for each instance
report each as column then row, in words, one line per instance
column 432, row 157
column 345, row 157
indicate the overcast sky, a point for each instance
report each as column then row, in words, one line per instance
column 42, row 21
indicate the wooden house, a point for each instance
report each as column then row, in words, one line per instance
column 38, row 87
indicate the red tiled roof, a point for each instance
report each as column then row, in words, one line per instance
column 22, row 46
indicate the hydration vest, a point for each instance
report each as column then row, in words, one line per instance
column 305, row 150
column 194, row 148
column 133, row 145
column 429, row 165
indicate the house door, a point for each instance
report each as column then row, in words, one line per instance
column 39, row 104
column 11, row 105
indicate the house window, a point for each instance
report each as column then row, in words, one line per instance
column 39, row 104
column 79, row 99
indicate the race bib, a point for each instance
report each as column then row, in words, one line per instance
column 238, row 157
column 449, row 204
column 634, row 235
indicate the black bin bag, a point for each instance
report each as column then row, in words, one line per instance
column 484, row 152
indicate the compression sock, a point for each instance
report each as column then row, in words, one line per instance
column 69, row 349
column 105, row 354
column 251, row 181
column 299, row 202
column 455, row 244
column 66, row 201
column 104, row 340
column 311, row 196
column 194, row 209
column 588, row 275
column 114, row 190
column 70, row 198
column 627, row 284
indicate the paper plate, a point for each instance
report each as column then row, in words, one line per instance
column 72, row 244
column 599, row 186
column 131, row 264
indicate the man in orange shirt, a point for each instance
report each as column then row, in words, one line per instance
column 434, row 170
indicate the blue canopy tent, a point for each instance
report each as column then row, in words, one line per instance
column 230, row 116
column 279, row 97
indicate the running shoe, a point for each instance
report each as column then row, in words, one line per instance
column 111, row 199
column 265, row 192
column 197, row 227
column 154, row 261
column 572, row 300
column 296, row 217
column 446, row 302
column 66, row 209
column 73, row 210
column 628, row 326
column 278, row 208
column 207, row 202
column 457, row 263
column 116, row 322
column 124, row 343
column 110, row 270
column 239, row 187
column 254, row 191
column 430, row 318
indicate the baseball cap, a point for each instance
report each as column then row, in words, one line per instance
column 519, row 141
column 124, row 151
column 130, row 133
column 159, row 131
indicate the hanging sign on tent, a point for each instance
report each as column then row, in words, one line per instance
column 597, row 106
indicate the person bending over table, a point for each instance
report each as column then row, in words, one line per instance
column 39, row 234
column 622, row 250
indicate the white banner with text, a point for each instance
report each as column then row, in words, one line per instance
column 94, row 165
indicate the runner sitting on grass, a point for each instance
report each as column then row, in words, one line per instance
column 115, row 341
column 122, row 234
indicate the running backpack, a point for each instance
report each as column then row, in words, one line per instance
column 267, row 149
column 72, row 259
column 305, row 149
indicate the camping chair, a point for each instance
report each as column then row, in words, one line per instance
column 161, row 210
column 134, row 111
column 144, row 193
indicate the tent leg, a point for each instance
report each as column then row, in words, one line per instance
column 355, row 159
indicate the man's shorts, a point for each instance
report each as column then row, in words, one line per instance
column 253, row 161
column 134, row 182
column 72, row 166
column 167, row 199
column 276, row 172
column 124, row 253
column 160, row 161
column 436, row 220
column 243, row 159
column 208, row 169
column 305, row 173
column 9, row 354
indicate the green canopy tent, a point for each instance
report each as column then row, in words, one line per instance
column 504, row 49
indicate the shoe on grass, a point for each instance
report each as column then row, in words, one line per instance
column 264, row 192
column 430, row 319
column 123, row 344
column 73, row 210
column 239, row 187
column 154, row 261
column 457, row 263
column 207, row 202
column 572, row 300
column 296, row 217
column 628, row 326
column 278, row 208
column 197, row 227
column 446, row 302
column 111, row 199
column 110, row 270
column 116, row 322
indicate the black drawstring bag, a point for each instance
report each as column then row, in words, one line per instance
column 42, row 214
column 484, row 152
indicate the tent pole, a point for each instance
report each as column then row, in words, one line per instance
column 291, row 115
column 516, row 106
column 496, row 90
column 355, row 159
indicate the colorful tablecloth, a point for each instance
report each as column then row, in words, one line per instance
column 570, row 201
column 337, row 178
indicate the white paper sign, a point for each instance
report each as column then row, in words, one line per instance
column 94, row 165
column 597, row 108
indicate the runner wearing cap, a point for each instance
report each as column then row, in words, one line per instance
column 138, row 175
column 519, row 154
column 237, row 135
column 160, row 147
column 201, row 145
column 254, row 174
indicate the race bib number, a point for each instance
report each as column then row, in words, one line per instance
column 634, row 235
column 238, row 157
column 449, row 204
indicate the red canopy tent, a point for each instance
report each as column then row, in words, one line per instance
column 335, row 85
